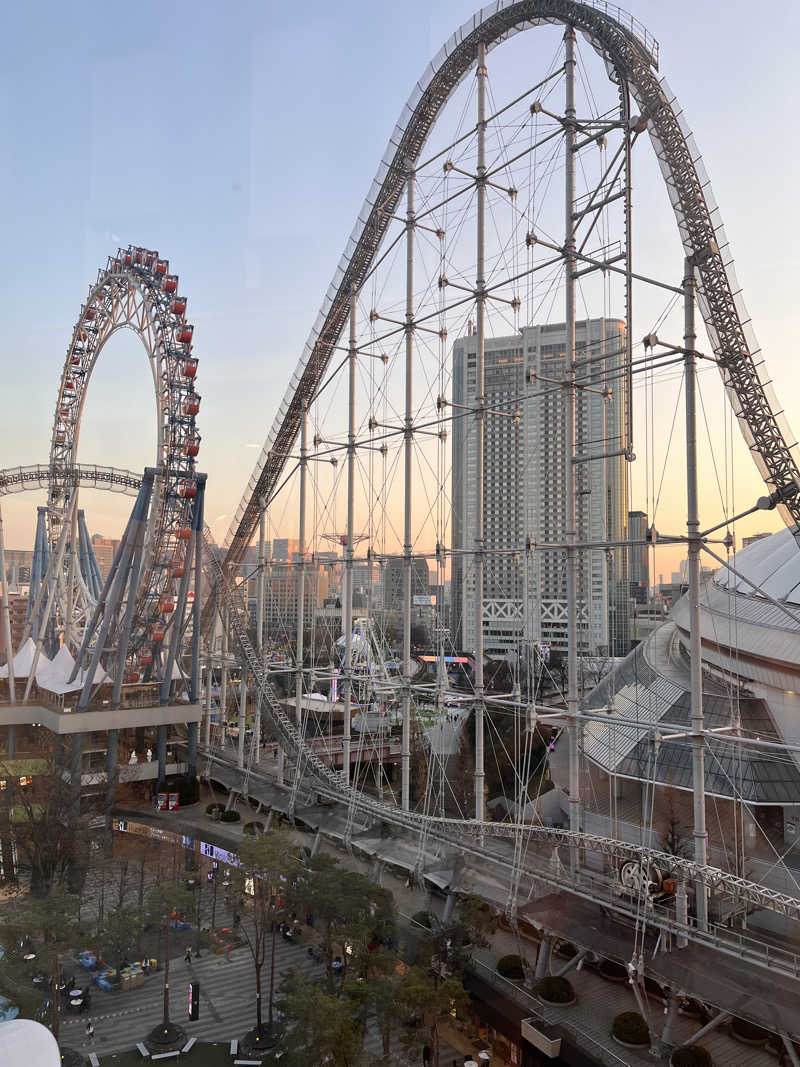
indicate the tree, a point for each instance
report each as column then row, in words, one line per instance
column 422, row 995
column 45, row 926
column 52, row 839
column 674, row 839
column 117, row 933
column 268, row 865
column 320, row 1028
column 166, row 904
column 352, row 911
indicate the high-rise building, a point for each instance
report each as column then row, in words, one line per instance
column 394, row 582
column 525, row 490
column 105, row 548
column 638, row 562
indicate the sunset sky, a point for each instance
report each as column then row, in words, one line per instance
column 242, row 149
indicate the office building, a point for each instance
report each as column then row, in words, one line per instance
column 525, row 490
column 394, row 583
column 638, row 561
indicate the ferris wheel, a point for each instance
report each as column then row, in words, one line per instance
column 135, row 291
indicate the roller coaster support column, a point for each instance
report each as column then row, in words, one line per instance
column 405, row 748
column 240, row 737
column 347, row 614
column 50, row 582
column 694, row 544
column 209, row 680
column 301, row 574
column 262, row 564
column 6, row 624
column 569, row 441
column 480, row 434
column 130, row 608
column 194, row 677
column 223, row 682
column 179, row 619
column 118, row 579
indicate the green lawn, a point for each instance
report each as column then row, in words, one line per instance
column 201, row 1056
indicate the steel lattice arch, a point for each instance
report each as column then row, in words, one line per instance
column 632, row 58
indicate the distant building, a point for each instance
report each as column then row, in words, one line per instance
column 18, row 566
column 394, row 582
column 525, row 491
column 105, row 548
column 17, row 609
column 638, row 561
column 751, row 540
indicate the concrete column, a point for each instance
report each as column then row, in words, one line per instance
column 191, row 770
column 76, row 766
column 112, row 758
column 161, row 752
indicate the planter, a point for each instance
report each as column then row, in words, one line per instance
column 612, row 972
column 556, row 991
column 630, row 1029
column 691, row 1056
column 748, row 1033
column 630, row 1044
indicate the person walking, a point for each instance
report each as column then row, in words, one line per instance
column 89, row 1032
column 188, row 954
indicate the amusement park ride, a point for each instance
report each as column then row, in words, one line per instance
column 460, row 235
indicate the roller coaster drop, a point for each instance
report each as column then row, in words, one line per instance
column 165, row 534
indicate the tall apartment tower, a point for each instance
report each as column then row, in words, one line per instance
column 638, row 563
column 525, row 486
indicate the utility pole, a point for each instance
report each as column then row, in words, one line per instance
column 405, row 748
column 480, row 435
column 570, row 406
column 694, row 544
column 347, row 613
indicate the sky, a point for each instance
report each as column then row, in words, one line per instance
column 240, row 141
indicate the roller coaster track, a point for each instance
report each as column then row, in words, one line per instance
column 333, row 785
column 87, row 475
column 632, row 54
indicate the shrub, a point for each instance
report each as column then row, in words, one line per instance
column 253, row 828
column 230, row 816
column 423, row 918
column 748, row 1031
column 615, row 972
column 211, row 808
column 691, row 1056
column 555, row 989
column 565, row 949
column 630, row 1027
column 511, row 967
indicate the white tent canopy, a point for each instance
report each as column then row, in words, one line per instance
column 23, row 661
column 55, row 679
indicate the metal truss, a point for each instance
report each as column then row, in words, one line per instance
column 334, row 784
column 90, row 476
column 632, row 55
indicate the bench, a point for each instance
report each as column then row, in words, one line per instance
column 189, row 1044
column 167, row 1055
column 234, row 1046
column 93, row 1060
column 143, row 1052
column 247, row 1063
